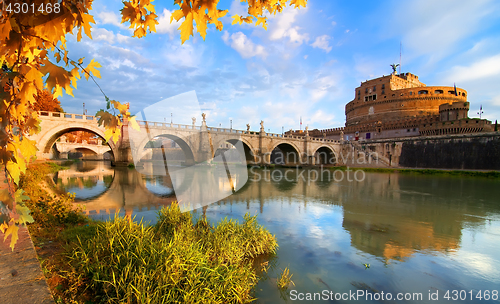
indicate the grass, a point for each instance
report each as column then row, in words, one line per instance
column 285, row 279
column 180, row 259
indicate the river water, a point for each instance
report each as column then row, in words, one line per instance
column 370, row 237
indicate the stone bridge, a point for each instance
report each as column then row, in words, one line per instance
column 199, row 143
column 65, row 147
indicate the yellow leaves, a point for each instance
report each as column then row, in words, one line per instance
column 92, row 68
column 12, row 230
column 237, row 19
column 177, row 15
column 262, row 20
column 298, row 3
column 186, row 27
column 58, row 78
column 201, row 24
column 133, row 123
column 21, row 153
column 87, row 19
column 113, row 123
column 141, row 15
column 5, row 29
column 112, row 134
column 14, row 170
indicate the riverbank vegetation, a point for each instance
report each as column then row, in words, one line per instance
column 179, row 259
column 488, row 174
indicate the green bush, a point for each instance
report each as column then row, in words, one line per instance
column 177, row 260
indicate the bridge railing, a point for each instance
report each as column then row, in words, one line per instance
column 66, row 115
column 182, row 126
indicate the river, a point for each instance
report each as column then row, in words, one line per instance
column 367, row 238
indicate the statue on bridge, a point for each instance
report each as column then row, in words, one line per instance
column 194, row 120
column 262, row 126
column 341, row 135
column 204, row 116
column 307, row 130
column 248, row 128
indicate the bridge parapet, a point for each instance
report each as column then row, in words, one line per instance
column 60, row 115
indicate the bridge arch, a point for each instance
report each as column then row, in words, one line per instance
column 50, row 137
column 290, row 154
column 325, row 155
column 249, row 150
column 140, row 151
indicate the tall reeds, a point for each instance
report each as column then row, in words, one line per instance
column 177, row 260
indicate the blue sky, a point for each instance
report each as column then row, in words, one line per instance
column 307, row 64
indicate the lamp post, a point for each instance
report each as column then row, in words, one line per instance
column 282, row 130
column 83, row 109
column 231, row 124
column 171, row 117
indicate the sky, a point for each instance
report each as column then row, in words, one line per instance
column 306, row 65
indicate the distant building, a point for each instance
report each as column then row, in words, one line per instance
column 399, row 106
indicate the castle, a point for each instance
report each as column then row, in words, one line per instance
column 399, row 105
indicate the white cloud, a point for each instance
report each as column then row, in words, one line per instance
column 321, row 42
column 244, row 46
column 100, row 34
column 164, row 26
column 281, row 26
column 105, row 17
column 483, row 68
column 436, row 27
column 225, row 36
column 237, row 8
column 184, row 55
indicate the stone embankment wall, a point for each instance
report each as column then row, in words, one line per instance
column 464, row 151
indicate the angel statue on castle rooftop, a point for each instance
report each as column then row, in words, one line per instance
column 394, row 66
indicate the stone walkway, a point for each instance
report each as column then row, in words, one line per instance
column 21, row 278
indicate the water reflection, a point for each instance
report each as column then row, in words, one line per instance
column 418, row 233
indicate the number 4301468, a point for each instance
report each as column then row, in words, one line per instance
column 25, row 8
column 471, row 295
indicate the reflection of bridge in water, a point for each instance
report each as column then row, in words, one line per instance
column 129, row 190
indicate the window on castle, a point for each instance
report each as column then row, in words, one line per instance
column 411, row 93
column 423, row 92
column 383, row 86
column 451, row 92
column 463, row 94
column 374, row 88
column 438, row 92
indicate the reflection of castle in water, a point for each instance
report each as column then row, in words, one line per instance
column 384, row 214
